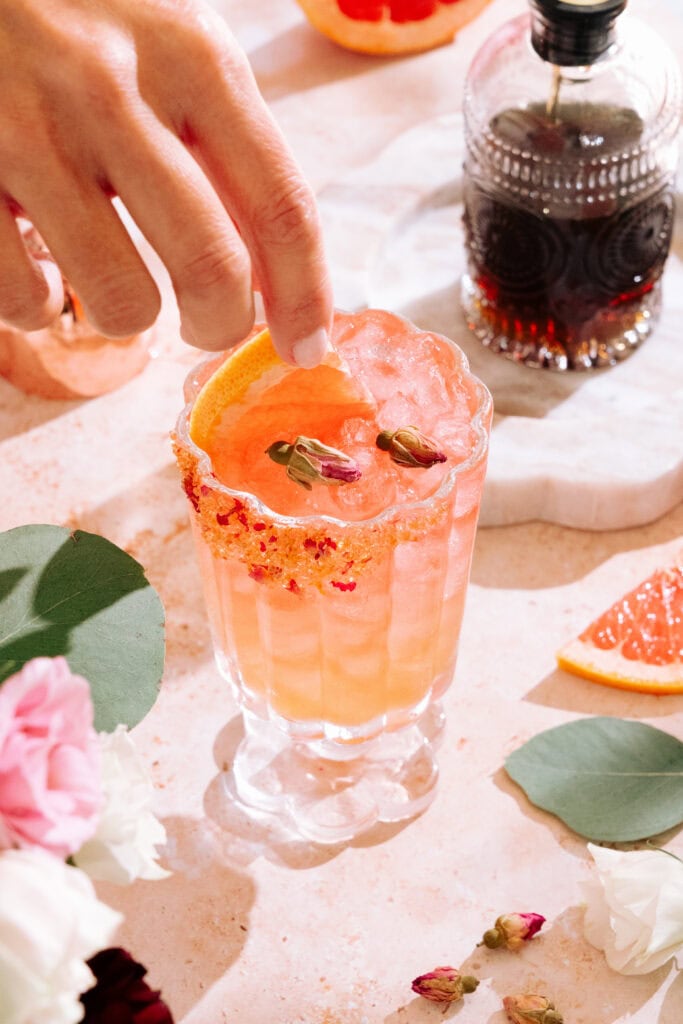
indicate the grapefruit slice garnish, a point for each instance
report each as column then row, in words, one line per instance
column 272, row 399
column 252, row 367
column 637, row 644
column 391, row 26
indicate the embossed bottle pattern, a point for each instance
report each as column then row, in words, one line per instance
column 571, row 120
column 577, row 287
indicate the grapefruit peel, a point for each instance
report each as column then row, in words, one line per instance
column 637, row 643
column 254, row 364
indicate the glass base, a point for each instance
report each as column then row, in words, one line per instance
column 332, row 793
column 607, row 339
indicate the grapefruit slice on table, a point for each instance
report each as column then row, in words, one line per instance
column 637, row 644
column 391, row 26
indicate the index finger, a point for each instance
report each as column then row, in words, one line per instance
column 232, row 135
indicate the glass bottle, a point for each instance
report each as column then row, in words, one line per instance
column 571, row 118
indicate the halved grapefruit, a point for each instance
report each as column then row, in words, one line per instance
column 391, row 26
column 637, row 644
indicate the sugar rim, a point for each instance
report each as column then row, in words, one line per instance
column 480, row 419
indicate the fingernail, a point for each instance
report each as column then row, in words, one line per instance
column 309, row 351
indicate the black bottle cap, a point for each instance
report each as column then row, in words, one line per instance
column 573, row 32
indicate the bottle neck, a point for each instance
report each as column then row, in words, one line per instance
column 572, row 41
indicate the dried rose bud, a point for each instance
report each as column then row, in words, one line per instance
column 309, row 462
column 531, row 1009
column 408, row 447
column 512, row 930
column 444, row 985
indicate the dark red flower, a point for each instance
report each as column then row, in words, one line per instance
column 120, row 995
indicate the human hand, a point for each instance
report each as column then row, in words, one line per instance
column 153, row 101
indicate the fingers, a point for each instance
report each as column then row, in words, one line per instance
column 94, row 251
column 31, row 293
column 282, row 231
column 181, row 216
column 229, row 131
column 260, row 184
column 110, row 111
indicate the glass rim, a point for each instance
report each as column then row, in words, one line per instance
column 479, row 423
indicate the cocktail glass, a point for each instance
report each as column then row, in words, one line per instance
column 339, row 634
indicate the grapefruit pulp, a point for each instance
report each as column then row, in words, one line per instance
column 637, row 644
column 391, row 26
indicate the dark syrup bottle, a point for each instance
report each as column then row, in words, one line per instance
column 571, row 120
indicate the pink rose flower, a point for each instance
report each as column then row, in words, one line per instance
column 50, row 791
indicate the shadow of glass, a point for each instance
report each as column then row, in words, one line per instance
column 560, row 689
column 300, row 59
column 190, row 928
column 20, row 413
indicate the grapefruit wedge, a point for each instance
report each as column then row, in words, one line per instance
column 391, row 26
column 637, row 644
column 254, row 399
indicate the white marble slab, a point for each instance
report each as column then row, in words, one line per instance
column 596, row 450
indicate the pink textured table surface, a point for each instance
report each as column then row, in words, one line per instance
column 253, row 927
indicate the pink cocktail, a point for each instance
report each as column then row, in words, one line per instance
column 336, row 611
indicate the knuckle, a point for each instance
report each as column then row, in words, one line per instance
column 302, row 314
column 119, row 307
column 213, row 268
column 311, row 307
column 22, row 136
column 290, row 220
column 202, row 40
column 105, row 75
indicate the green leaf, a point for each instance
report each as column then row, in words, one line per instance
column 79, row 595
column 609, row 780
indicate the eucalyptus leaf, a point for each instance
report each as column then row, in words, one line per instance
column 78, row 595
column 608, row 779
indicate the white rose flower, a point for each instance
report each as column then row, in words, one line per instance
column 635, row 910
column 50, row 923
column 124, row 845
